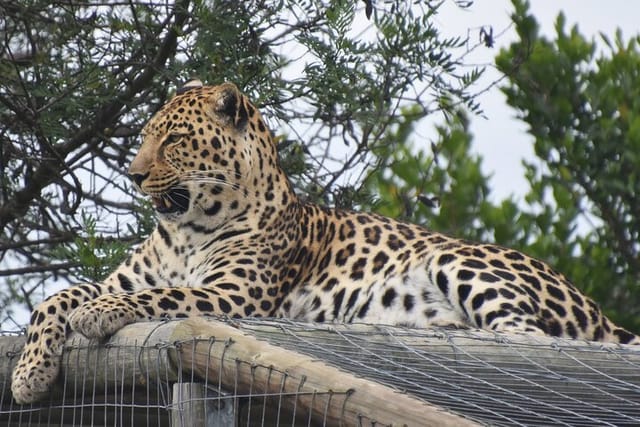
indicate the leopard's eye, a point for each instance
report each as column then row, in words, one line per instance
column 172, row 138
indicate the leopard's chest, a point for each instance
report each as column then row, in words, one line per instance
column 188, row 264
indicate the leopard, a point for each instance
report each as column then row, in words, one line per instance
column 234, row 239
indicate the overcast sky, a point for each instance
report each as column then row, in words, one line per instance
column 501, row 140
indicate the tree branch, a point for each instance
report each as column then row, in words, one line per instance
column 39, row 269
column 106, row 117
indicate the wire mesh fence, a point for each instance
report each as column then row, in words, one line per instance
column 280, row 372
column 495, row 379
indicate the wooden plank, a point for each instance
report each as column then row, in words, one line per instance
column 240, row 363
column 481, row 347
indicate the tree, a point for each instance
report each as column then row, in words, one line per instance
column 581, row 213
column 580, row 100
column 443, row 188
column 79, row 79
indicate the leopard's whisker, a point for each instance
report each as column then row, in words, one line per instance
column 205, row 177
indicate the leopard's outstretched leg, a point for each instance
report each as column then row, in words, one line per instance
column 39, row 363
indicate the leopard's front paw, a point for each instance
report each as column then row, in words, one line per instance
column 34, row 375
column 101, row 317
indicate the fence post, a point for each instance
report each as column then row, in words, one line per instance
column 195, row 405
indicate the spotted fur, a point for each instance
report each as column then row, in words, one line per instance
column 233, row 239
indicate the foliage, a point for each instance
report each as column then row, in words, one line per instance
column 581, row 102
column 78, row 80
column 581, row 212
column 95, row 256
column 444, row 188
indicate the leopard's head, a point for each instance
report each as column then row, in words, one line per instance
column 207, row 156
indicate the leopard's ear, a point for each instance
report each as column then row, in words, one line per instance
column 191, row 84
column 230, row 104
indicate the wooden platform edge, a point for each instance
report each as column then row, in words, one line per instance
column 240, row 362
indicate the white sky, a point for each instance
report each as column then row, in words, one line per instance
column 500, row 139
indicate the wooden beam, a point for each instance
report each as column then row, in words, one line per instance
column 241, row 363
column 238, row 362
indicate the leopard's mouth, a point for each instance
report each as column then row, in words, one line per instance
column 175, row 200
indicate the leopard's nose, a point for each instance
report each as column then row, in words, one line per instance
column 138, row 178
